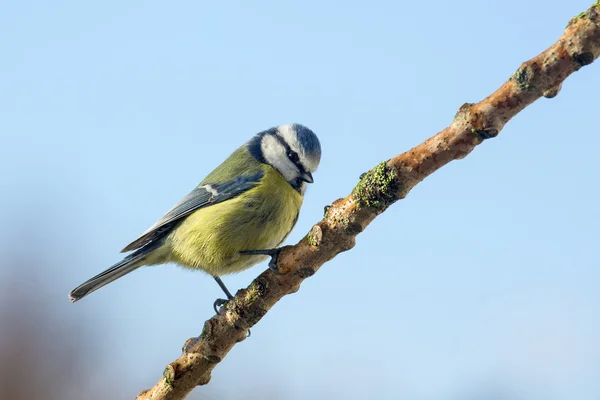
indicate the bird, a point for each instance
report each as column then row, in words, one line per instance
column 235, row 218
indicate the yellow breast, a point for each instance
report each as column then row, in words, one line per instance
column 212, row 237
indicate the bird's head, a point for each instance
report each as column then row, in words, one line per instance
column 293, row 150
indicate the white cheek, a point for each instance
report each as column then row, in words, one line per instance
column 271, row 148
column 286, row 168
column 274, row 154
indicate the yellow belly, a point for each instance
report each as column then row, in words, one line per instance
column 211, row 238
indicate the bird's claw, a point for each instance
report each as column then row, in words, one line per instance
column 217, row 307
column 273, row 262
column 218, row 304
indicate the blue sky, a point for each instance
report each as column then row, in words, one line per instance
column 483, row 282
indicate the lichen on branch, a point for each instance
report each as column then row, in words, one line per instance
column 376, row 188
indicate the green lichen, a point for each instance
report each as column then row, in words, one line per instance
column 326, row 211
column 522, row 78
column 206, row 330
column 247, row 307
column 315, row 236
column 169, row 376
column 254, row 292
column 341, row 221
column 582, row 14
column 376, row 189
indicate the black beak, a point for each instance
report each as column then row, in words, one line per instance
column 306, row 177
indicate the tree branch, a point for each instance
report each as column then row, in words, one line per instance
column 376, row 191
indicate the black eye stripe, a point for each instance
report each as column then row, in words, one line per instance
column 291, row 154
column 282, row 142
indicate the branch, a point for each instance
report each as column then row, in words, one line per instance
column 377, row 190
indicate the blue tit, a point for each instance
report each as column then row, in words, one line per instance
column 234, row 218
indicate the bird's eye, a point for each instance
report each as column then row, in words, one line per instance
column 293, row 156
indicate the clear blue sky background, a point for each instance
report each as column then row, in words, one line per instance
column 481, row 284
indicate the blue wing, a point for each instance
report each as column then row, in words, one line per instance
column 200, row 197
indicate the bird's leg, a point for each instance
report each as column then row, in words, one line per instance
column 219, row 302
column 273, row 253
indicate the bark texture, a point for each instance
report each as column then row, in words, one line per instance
column 388, row 182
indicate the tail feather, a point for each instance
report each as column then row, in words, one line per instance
column 122, row 268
